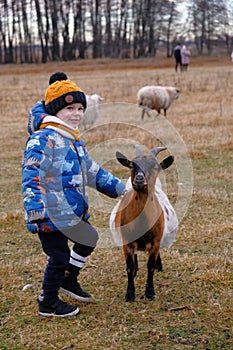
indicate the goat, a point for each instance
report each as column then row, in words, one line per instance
column 139, row 218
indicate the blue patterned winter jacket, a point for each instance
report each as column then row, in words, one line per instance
column 56, row 169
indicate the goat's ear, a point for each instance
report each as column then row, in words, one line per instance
column 167, row 162
column 123, row 159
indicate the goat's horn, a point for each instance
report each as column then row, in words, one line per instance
column 139, row 150
column 156, row 150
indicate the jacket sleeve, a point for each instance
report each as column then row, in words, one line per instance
column 37, row 159
column 102, row 180
column 35, row 117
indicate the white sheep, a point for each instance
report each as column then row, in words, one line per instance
column 156, row 97
column 92, row 112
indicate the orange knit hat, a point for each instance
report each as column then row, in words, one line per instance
column 61, row 93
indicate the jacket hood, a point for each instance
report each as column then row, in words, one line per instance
column 36, row 117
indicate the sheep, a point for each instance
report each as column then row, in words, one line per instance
column 143, row 218
column 157, row 98
column 92, row 112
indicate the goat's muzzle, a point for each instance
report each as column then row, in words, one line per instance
column 139, row 182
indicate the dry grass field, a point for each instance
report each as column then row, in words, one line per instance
column 193, row 307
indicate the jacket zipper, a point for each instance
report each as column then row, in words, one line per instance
column 83, row 176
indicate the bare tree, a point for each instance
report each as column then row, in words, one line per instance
column 95, row 10
column 54, row 14
column 71, row 29
column 208, row 18
column 227, row 30
column 43, row 28
column 172, row 27
column 123, row 40
column 79, row 41
column 108, row 29
column 8, row 30
column 65, row 13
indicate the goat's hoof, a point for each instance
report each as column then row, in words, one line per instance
column 150, row 293
column 130, row 297
column 150, row 296
column 159, row 268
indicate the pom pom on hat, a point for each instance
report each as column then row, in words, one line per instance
column 57, row 76
column 61, row 93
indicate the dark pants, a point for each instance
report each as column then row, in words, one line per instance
column 55, row 245
column 178, row 63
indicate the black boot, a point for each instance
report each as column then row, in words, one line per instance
column 55, row 307
column 71, row 287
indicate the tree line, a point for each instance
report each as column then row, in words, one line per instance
column 50, row 30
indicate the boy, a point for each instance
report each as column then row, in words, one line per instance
column 55, row 172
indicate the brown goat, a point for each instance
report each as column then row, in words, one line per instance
column 139, row 219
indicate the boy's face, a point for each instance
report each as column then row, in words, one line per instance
column 72, row 114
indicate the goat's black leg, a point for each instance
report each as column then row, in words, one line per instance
column 158, row 264
column 135, row 264
column 130, row 293
column 150, row 292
